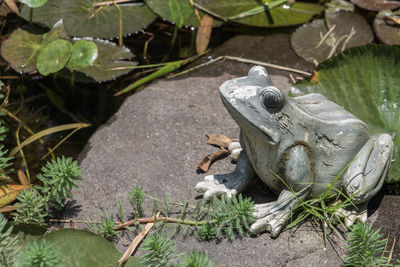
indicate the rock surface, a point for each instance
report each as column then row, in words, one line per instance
column 156, row 139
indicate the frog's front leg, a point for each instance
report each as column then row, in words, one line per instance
column 231, row 183
column 366, row 174
column 298, row 173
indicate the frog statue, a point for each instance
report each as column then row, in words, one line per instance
column 299, row 145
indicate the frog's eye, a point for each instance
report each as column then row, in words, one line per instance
column 271, row 99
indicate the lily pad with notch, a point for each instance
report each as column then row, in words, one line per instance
column 376, row 5
column 83, row 248
column 112, row 61
column 316, row 41
column 365, row 81
column 84, row 53
column 53, row 56
column 83, row 18
column 387, row 27
column 261, row 13
column 182, row 10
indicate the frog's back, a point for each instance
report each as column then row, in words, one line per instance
column 336, row 136
column 319, row 107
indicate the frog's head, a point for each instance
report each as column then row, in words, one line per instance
column 255, row 103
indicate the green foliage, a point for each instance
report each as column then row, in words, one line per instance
column 5, row 161
column 9, row 246
column 197, row 259
column 136, row 198
column 40, row 254
column 160, row 251
column 59, row 177
column 106, row 227
column 366, row 247
column 232, row 216
column 32, row 207
column 53, row 56
column 206, row 232
column 84, row 53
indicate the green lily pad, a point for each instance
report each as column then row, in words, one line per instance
column 365, row 81
column 387, row 30
column 110, row 63
column 181, row 9
column 306, row 39
column 83, row 54
column 53, row 56
column 376, row 5
column 34, row 3
column 20, row 50
column 282, row 15
column 82, row 19
column 83, row 248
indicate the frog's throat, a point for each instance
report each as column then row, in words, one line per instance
column 272, row 137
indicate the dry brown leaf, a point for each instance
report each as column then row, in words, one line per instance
column 9, row 193
column 204, row 33
column 136, row 241
column 204, row 165
column 22, row 177
column 12, row 5
column 218, row 140
column 7, row 209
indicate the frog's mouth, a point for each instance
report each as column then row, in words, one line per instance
column 271, row 136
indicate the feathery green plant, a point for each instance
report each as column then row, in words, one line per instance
column 59, row 177
column 32, row 207
column 39, row 254
column 366, row 247
column 106, row 227
column 232, row 216
column 160, row 251
column 9, row 246
column 197, row 259
column 136, row 198
column 206, row 232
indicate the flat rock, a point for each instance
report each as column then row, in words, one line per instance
column 158, row 136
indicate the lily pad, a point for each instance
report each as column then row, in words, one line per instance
column 110, row 62
column 83, row 248
column 83, row 54
column 184, row 10
column 34, row 3
column 20, row 50
column 387, row 27
column 365, row 81
column 282, row 15
column 376, row 5
column 83, row 19
column 351, row 30
column 53, row 56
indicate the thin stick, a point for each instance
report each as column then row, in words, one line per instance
column 242, row 60
column 59, row 143
column 135, row 243
column 9, row 77
column 326, row 35
column 22, row 153
column 108, row 3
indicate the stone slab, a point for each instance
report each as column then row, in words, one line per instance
column 156, row 139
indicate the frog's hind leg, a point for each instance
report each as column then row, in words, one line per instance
column 365, row 176
column 231, row 183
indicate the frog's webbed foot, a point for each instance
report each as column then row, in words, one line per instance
column 352, row 214
column 366, row 174
column 231, row 183
column 272, row 217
